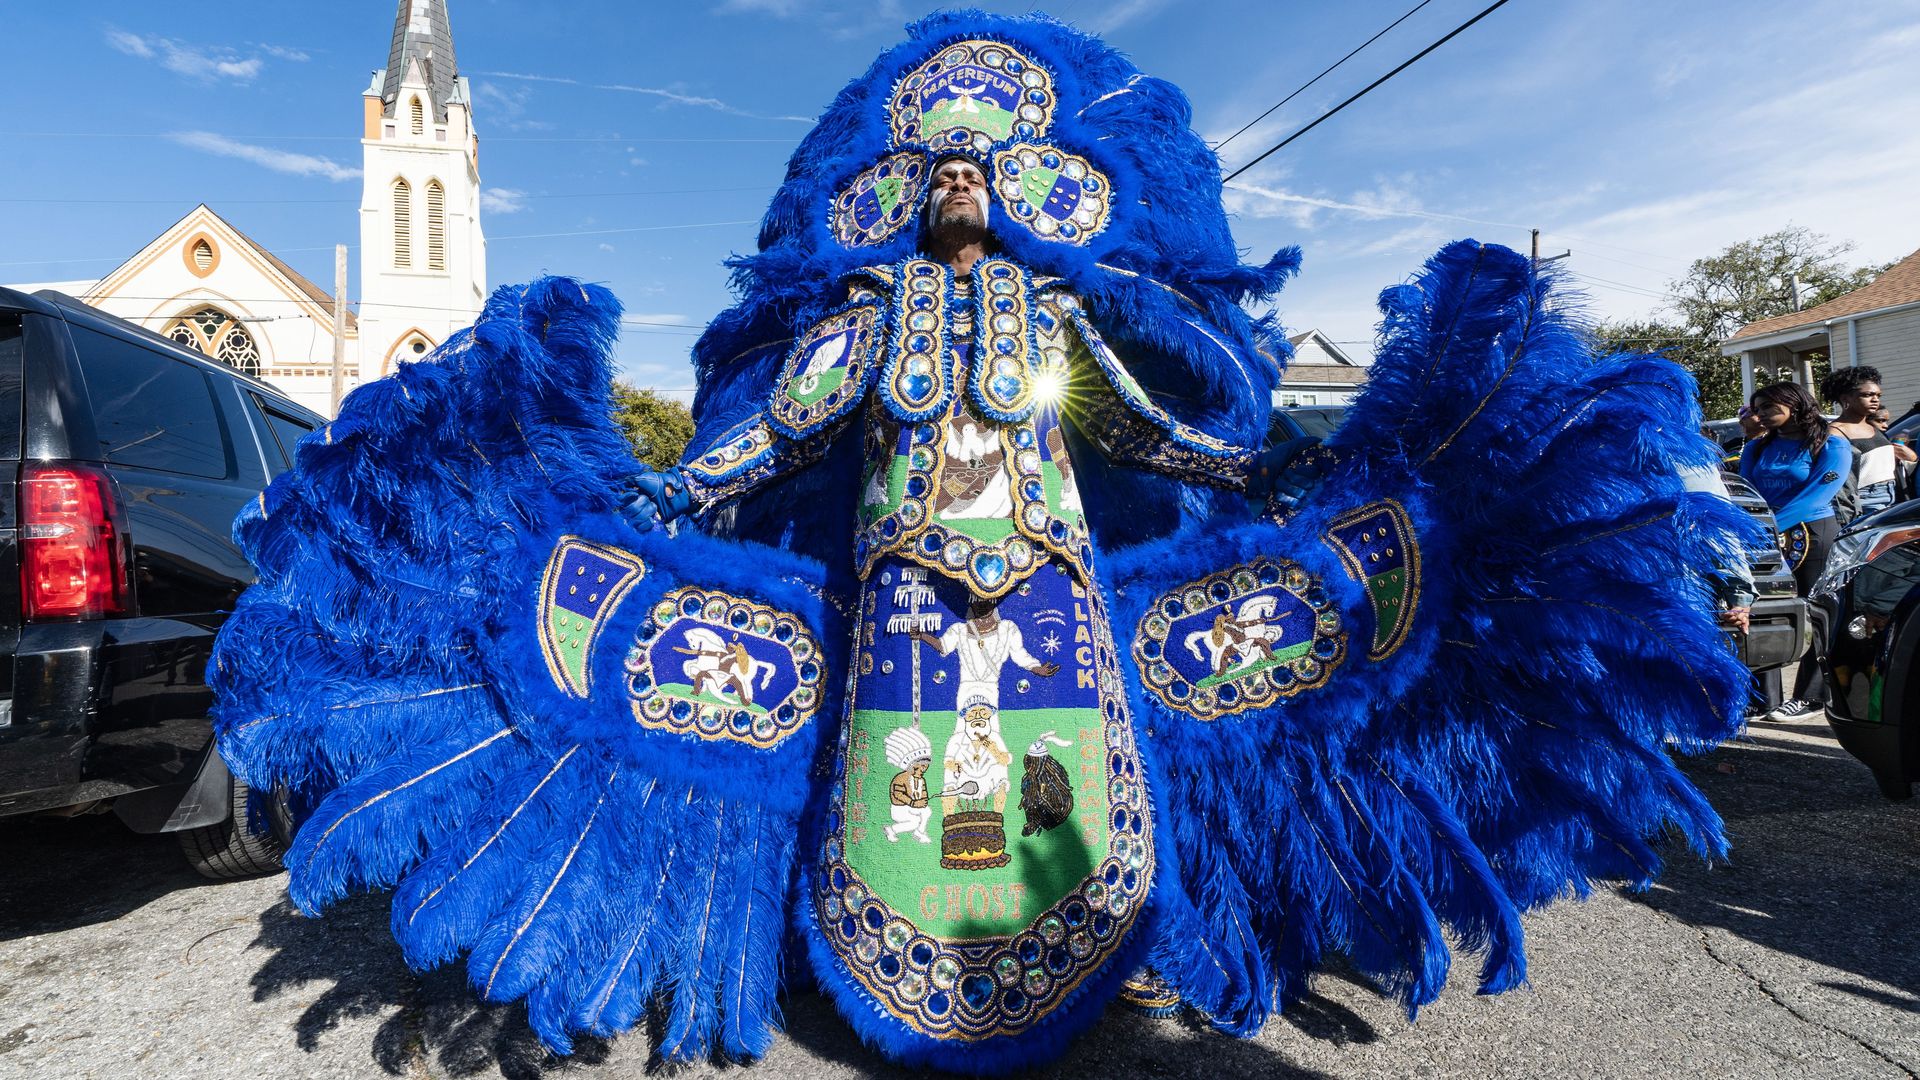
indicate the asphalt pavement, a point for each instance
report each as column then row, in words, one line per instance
column 1801, row 958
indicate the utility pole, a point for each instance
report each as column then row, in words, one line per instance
column 1537, row 260
column 339, row 325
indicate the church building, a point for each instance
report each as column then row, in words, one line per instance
column 422, row 257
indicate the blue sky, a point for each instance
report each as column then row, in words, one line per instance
column 638, row 144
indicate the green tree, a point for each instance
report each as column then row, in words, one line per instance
column 1718, row 377
column 1754, row 280
column 659, row 427
column 1747, row 282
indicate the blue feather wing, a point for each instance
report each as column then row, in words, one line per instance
column 398, row 663
column 1509, row 580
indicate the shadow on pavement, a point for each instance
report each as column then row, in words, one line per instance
column 63, row 873
column 1822, row 866
column 1120, row 1044
column 436, row 1018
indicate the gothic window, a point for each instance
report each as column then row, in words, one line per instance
column 219, row 335
column 413, row 345
column 419, row 116
column 402, row 224
column 436, row 226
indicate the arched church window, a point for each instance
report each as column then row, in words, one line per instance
column 412, row 345
column 219, row 335
column 419, row 116
column 402, row 223
column 436, row 226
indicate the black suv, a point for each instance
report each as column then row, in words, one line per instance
column 123, row 461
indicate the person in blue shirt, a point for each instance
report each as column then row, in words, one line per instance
column 1798, row 465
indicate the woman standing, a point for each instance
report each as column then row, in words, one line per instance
column 1798, row 466
column 1856, row 393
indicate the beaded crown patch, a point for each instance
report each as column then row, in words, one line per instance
column 880, row 201
column 723, row 667
column 583, row 584
column 1060, row 196
column 989, row 101
column 1239, row 639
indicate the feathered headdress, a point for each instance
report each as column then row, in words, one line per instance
column 1095, row 176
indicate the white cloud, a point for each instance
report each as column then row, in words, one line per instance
column 285, row 52
column 495, row 200
column 665, row 94
column 1119, row 14
column 604, row 246
column 201, row 63
column 284, row 161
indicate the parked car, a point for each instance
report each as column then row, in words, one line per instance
column 1779, row 626
column 1865, row 608
column 124, row 458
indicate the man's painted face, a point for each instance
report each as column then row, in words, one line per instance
column 957, row 195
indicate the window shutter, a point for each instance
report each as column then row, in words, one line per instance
column 402, row 224
column 436, row 226
column 419, row 116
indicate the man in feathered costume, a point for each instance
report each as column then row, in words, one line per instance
column 979, row 464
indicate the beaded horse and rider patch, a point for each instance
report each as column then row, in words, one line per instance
column 583, row 584
column 717, row 666
column 1239, row 639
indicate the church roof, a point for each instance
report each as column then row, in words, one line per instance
column 422, row 34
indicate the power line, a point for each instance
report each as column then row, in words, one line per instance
column 354, row 139
column 1330, row 113
column 490, row 240
column 341, row 202
column 671, row 327
column 1322, row 75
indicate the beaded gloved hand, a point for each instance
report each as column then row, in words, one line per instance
column 656, row 497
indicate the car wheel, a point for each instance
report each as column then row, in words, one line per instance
column 229, row 849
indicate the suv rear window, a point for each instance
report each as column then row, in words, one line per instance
column 151, row 410
column 286, row 430
column 10, row 348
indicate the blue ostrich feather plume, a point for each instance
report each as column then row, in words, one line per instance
column 1517, row 746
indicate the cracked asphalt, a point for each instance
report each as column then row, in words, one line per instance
column 1799, row 959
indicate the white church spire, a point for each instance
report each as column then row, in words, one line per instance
column 423, row 257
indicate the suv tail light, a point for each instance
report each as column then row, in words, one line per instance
column 73, row 542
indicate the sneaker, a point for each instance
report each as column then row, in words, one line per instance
column 1796, row 709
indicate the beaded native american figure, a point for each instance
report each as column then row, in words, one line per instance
column 992, row 654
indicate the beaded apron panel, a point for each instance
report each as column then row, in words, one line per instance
column 988, row 842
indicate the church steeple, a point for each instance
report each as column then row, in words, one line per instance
column 423, row 256
column 421, row 35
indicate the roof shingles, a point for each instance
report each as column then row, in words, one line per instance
column 1899, row 285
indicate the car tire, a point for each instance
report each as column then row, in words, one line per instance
column 227, row 850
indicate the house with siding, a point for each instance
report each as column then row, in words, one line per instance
column 1320, row 373
column 1877, row 324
